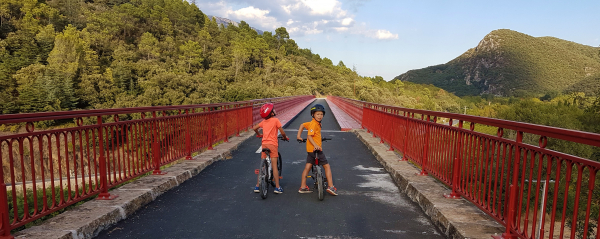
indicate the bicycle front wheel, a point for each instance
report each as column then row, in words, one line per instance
column 320, row 184
column 263, row 180
column 279, row 166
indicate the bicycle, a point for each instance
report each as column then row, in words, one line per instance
column 265, row 171
column 317, row 173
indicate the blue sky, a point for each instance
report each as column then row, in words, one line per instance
column 388, row 38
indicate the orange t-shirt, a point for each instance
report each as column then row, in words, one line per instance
column 270, row 127
column 314, row 131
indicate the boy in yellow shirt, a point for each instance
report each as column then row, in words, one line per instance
column 314, row 148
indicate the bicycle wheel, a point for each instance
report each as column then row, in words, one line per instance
column 279, row 166
column 320, row 184
column 263, row 181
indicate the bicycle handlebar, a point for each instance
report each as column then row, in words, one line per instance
column 304, row 140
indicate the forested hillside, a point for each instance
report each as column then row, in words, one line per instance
column 75, row 54
column 509, row 63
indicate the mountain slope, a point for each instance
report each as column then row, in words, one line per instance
column 510, row 63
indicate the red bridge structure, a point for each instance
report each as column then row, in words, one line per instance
column 533, row 191
column 46, row 171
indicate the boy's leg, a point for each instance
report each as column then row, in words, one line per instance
column 304, row 174
column 331, row 189
column 275, row 171
column 328, row 175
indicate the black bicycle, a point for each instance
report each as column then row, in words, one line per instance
column 265, row 172
column 317, row 173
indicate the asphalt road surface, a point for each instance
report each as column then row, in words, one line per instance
column 220, row 202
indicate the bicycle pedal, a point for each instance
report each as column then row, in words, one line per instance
column 256, row 171
column 309, row 176
column 280, row 177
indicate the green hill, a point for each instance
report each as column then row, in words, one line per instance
column 509, row 63
column 76, row 54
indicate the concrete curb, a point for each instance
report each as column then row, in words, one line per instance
column 88, row 219
column 456, row 218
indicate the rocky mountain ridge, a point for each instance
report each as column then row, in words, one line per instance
column 509, row 63
column 226, row 22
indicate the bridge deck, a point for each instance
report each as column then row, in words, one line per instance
column 219, row 202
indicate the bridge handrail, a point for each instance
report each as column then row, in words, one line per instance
column 577, row 136
column 57, row 115
column 482, row 167
column 49, row 170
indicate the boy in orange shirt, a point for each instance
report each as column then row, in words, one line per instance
column 269, row 140
column 314, row 143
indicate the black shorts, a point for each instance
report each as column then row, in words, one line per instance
column 310, row 158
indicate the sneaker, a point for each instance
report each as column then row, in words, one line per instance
column 332, row 191
column 305, row 190
column 278, row 190
column 256, row 189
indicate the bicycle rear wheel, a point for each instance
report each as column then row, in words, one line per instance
column 320, row 184
column 263, row 181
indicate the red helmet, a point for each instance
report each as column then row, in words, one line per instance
column 266, row 110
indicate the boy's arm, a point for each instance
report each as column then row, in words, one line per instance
column 283, row 133
column 300, row 132
column 255, row 128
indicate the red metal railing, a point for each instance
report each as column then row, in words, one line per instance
column 352, row 108
column 46, row 171
column 535, row 192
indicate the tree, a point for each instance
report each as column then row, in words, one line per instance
column 64, row 61
column 240, row 54
column 149, row 46
column 191, row 53
column 281, row 35
column 32, row 93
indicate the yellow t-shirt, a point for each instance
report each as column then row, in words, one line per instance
column 314, row 131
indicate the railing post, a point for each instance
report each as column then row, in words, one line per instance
column 188, row 136
column 155, row 147
column 237, row 121
column 513, row 191
column 425, row 147
column 456, row 168
column 4, row 209
column 404, row 157
column 381, row 128
column 210, row 129
column 225, row 122
column 362, row 121
column 392, row 135
column 104, row 195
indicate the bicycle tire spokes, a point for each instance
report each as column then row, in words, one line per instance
column 263, row 180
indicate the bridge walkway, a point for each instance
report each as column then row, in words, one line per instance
column 219, row 202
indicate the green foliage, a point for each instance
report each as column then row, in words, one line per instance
column 510, row 63
column 68, row 55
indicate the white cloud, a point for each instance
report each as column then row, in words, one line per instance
column 385, row 35
column 341, row 29
column 300, row 17
column 255, row 15
column 347, row 21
